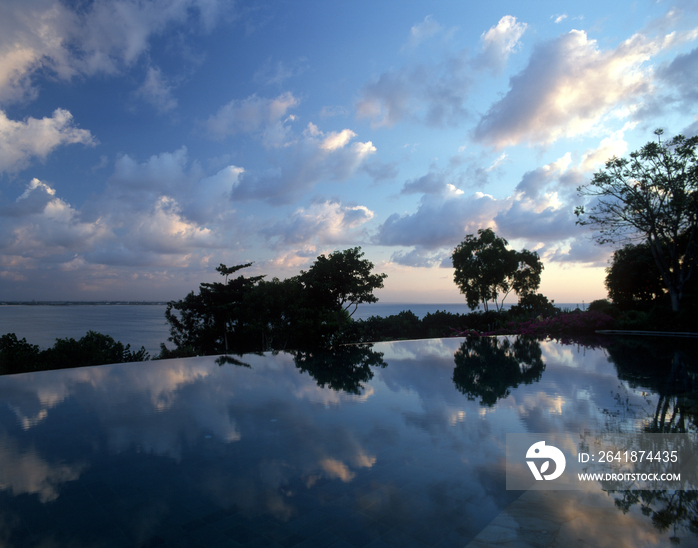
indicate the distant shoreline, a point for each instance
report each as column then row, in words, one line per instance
column 81, row 303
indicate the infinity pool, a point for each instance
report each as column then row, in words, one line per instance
column 398, row 444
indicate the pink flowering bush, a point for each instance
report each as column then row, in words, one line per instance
column 558, row 327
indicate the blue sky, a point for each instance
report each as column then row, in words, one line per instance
column 143, row 143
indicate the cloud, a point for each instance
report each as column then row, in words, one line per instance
column 569, row 86
column 440, row 221
column 161, row 173
column 336, row 110
column 581, row 250
column 540, row 221
column 162, row 212
column 156, row 91
column 421, row 258
column 202, row 199
column 539, row 212
column 682, row 73
column 277, row 73
column 691, row 129
column 303, row 162
column 431, row 183
column 323, row 223
column 380, row 171
column 613, row 145
column 249, row 115
column 102, row 37
column 433, row 95
column 166, row 231
column 533, row 182
column 32, row 138
column 498, row 43
column 422, row 31
column 41, row 225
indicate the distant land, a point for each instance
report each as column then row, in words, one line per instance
column 80, row 303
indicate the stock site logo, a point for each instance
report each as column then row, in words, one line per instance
column 548, row 452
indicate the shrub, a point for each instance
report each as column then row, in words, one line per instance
column 534, row 305
column 605, row 306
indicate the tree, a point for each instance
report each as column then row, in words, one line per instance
column 651, row 196
column 633, row 275
column 341, row 281
column 484, row 267
column 208, row 321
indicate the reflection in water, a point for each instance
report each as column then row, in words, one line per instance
column 671, row 371
column 489, row 368
column 187, row 452
column 225, row 359
column 340, row 368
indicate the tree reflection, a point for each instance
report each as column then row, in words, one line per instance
column 340, row 368
column 226, row 359
column 489, row 367
column 669, row 369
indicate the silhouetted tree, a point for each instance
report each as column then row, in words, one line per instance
column 653, row 197
column 484, row 267
column 341, row 281
column 208, row 321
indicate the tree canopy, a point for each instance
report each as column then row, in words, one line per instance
column 342, row 280
column 652, row 196
column 247, row 314
column 633, row 275
column 484, row 268
column 207, row 321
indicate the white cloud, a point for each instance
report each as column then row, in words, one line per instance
column 440, row 221
column 161, row 173
column 166, row 231
column 250, row 115
column 421, row 258
column 156, row 91
column 433, row 95
column 104, row 37
column 41, row 225
column 533, row 182
column 581, row 250
column 335, row 140
column 498, row 43
column 387, row 100
column 568, row 87
column 277, row 73
column 497, row 162
column 31, row 138
column 204, row 200
column 323, row 223
column 613, row 145
column 304, row 161
column 209, row 200
column 423, row 31
column 541, row 220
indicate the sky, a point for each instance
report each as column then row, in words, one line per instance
column 143, row 143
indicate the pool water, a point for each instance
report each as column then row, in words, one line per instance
column 398, row 444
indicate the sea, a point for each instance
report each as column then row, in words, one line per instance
column 144, row 324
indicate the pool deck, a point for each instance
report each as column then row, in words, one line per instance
column 559, row 519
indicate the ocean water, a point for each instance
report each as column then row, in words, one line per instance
column 145, row 325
